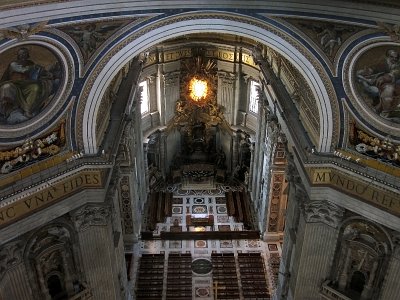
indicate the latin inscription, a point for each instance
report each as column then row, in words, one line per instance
column 168, row 56
column 21, row 207
column 363, row 190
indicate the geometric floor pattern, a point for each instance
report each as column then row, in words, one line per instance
column 201, row 204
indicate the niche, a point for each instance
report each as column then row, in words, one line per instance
column 361, row 259
column 357, row 282
column 56, row 288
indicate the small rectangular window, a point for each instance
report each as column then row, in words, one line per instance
column 144, row 106
column 253, row 103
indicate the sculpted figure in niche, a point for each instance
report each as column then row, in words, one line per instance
column 26, row 88
column 381, row 82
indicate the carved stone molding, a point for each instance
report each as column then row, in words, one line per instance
column 91, row 216
column 171, row 78
column 227, row 77
column 10, row 255
column 323, row 212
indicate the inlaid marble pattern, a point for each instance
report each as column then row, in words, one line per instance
column 221, row 209
column 176, row 210
column 212, row 202
column 199, row 209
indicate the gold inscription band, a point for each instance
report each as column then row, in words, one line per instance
column 364, row 190
column 38, row 200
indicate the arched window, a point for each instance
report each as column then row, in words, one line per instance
column 253, row 104
column 144, row 106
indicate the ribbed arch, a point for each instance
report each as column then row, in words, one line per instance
column 210, row 25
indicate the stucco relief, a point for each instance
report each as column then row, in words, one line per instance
column 30, row 78
column 90, row 36
column 329, row 36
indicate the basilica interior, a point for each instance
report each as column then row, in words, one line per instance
column 203, row 150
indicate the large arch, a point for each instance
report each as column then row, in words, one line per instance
column 218, row 23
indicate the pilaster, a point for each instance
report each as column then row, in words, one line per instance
column 14, row 281
column 97, row 248
column 321, row 221
column 226, row 83
column 391, row 286
column 293, row 233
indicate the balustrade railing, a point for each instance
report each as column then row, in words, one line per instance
column 82, row 295
column 330, row 293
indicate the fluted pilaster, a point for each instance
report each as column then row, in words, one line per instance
column 97, row 249
column 15, row 284
column 317, row 252
column 321, row 220
column 391, row 286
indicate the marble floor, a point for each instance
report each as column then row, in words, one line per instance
column 199, row 204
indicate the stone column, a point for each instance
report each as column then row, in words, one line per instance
column 258, row 153
column 68, row 279
column 235, row 152
column 294, row 228
column 163, row 152
column 368, row 288
column 237, row 69
column 226, row 96
column 342, row 282
column 42, row 283
column 146, row 165
column 250, row 175
column 391, row 287
column 267, row 140
column 321, row 221
column 14, row 279
column 97, row 248
column 171, row 94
